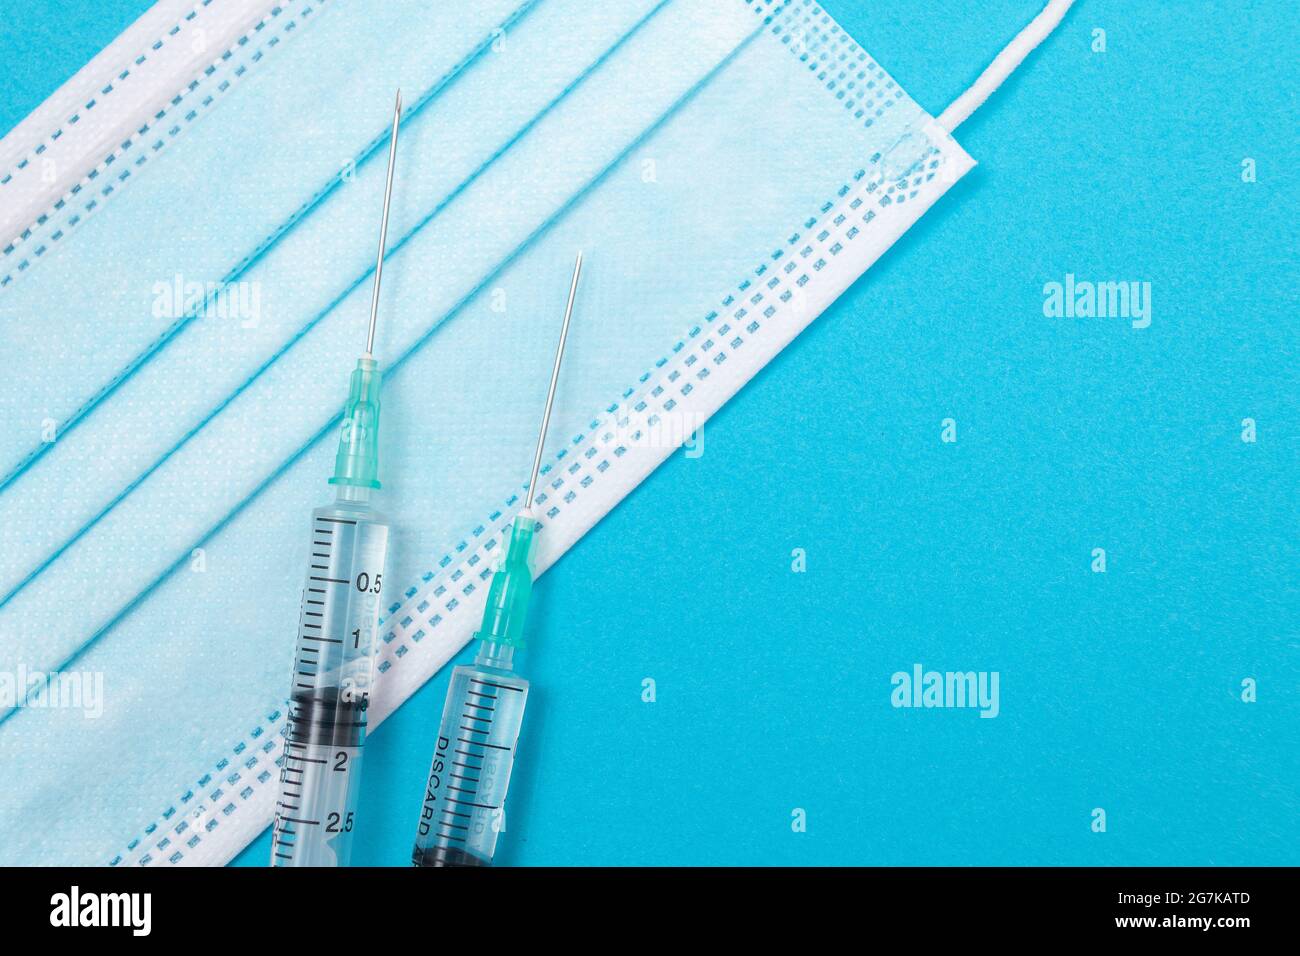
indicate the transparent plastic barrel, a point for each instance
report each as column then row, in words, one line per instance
column 333, row 673
column 464, row 803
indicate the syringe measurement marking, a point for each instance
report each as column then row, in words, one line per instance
column 313, row 715
column 488, row 683
column 451, row 800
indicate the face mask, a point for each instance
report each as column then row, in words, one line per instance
column 188, row 286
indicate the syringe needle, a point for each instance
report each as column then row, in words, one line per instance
column 555, row 378
column 383, row 225
column 494, row 736
column 357, row 464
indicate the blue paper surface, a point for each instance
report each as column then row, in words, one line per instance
column 1118, row 690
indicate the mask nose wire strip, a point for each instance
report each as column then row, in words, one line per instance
column 1004, row 64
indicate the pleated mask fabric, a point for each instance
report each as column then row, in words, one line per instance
column 183, row 295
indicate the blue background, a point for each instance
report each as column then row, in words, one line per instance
column 1118, row 690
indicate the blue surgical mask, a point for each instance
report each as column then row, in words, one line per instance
column 179, row 325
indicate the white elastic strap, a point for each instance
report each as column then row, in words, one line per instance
column 1004, row 64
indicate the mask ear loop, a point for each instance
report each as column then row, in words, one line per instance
column 1004, row 64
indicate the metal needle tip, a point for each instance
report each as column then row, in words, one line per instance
column 383, row 225
column 555, row 378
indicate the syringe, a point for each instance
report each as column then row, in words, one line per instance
column 332, row 670
column 464, row 799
